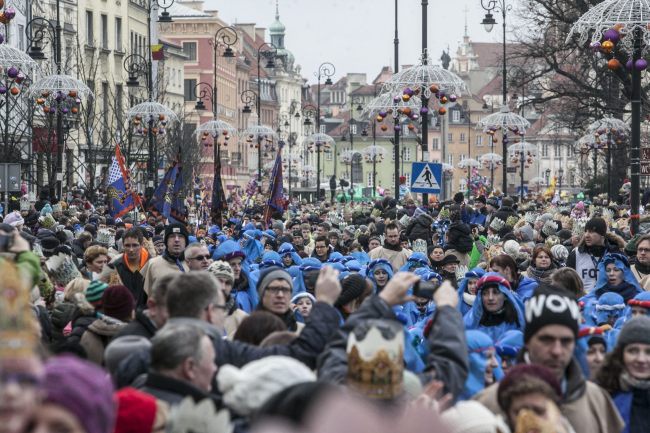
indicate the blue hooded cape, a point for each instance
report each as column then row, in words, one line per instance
column 609, row 305
column 361, row 257
column 378, row 264
column 473, row 317
column 417, row 260
column 475, row 273
column 410, row 309
column 640, row 300
column 288, row 249
column 510, row 343
column 252, row 246
column 477, row 344
column 308, row 264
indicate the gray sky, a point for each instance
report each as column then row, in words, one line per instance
column 357, row 35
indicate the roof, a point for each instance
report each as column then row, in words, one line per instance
column 179, row 10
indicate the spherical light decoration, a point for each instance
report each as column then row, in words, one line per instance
column 607, row 46
column 434, row 88
column 14, row 91
column 383, row 128
column 12, row 72
column 595, row 46
column 405, row 98
column 611, row 35
column 424, row 111
column 613, row 64
column 641, row 64
column 629, row 64
column 453, row 98
column 10, row 13
column 3, row 90
column 442, row 111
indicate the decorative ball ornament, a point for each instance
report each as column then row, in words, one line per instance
column 613, row 64
column 12, row 72
column 641, row 64
column 406, row 98
column 72, row 93
column 434, row 88
column 3, row 89
column 14, row 91
column 10, row 13
column 442, row 111
column 453, row 98
column 382, row 127
column 2, row 39
column 607, row 46
column 424, row 111
column 612, row 35
column 596, row 46
column 629, row 64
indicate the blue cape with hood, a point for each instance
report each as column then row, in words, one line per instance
column 463, row 305
column 252, row 246
column 361, row 257
column 308, row 264
column 247, row 301
column 417, row 260
column 477, row 344
column 410, row 309
column 473, row 317
column 608, row 308
column 640, row 300
column 288, row 249
column 510, row 343
column 628, row 289
column 378, row 264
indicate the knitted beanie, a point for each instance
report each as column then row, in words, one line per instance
column 245, row 390
column 636, row 330
column 597, row 225
column 136, row 411
column 176, row 229
column 271, row 274
column 547, row 307
column 82, row 389
column 352, row 287
column 118, row 302
column 95, row 291
column 221, row 269
column 519, row 373
column 472, row 417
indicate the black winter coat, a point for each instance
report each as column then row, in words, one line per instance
column 142, row 326
column 504, row 213
column 62, row 314
column 420, row 228
column 134, row 281
column 459, row 237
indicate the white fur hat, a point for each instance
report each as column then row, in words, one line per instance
column 246, row 389
column 472, row 417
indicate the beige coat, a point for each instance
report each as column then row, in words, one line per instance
column 588, row 407
column 397, row 259
column 644, row 281
column 157, row 268
column 232, row 322
column 97, row 337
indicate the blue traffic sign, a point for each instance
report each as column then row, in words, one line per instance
column 426, row 177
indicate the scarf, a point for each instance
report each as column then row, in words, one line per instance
column 468, row 298
column 625, row 289
column 541, row 275
column 231, row 304
column 397, row 247
column 628, row 382
column 288, row 318
column 176, row 260
column 642, row 269
column 133, row 267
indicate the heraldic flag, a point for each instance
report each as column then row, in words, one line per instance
column 276, row 201
column 121, row 197
column 167, row 199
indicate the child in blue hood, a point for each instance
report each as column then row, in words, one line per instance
column 508, row 347
column 496, row 309
column 467, row 290
column 484, row 367
column 637, row 306
column 606, row 311
column 290, row 258
column 252, row 246
column 305, row 281
column 245, row 294
column 379, row 271
column 417, row 260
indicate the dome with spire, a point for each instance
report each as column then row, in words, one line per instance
column 277, row 27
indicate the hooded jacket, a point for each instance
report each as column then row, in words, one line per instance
column 477, row 344
column 420, row 228
column 473, row 317
column 446, row 358
column 465, row 300
column 459, row 237
column 587, row 406
column 584, row 260
column 97, row 337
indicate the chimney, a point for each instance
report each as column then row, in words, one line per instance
column 260, row 33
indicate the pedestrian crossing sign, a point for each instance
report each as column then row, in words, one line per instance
column 426, row 177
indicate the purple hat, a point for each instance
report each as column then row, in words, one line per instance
column 83, row 389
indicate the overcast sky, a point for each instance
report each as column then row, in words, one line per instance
column 357, row 35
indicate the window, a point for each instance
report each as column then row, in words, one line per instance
column 407, row 154
column 119, row 102
column 322, row 129
column 450, row 159
column 90, row 34
column 450, row 137
column 479, row 141
column 118, row 34
column 189, row 49
column 435, row 144
column 557, row 150
column 21, row 37
column 545, row 150
column 105, row 111
column 189, row 89
column 104, row 31
column 328, row 155
column 462, row 137
column 455, row 116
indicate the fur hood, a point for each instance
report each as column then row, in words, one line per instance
column 611, row 240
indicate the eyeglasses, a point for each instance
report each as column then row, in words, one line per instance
column 321, row 246
column 200, row 258
column 643, row 250
column 276, row 290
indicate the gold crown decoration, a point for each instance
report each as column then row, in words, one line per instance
column 551, row 241
column 376, row 359
column 106, row 237
column 579, row 227
column 57, row 207
column 404, row 221
column 62, row 269
column 497, row 224
column 549, row 228
column 608, row 215
column 18, row 328
column 198, row 417
column 420, row 246
column 25, row 205
column 493, row 248
column 444, row 214
column 567, row 222
column 47, row 221
column 512, row 221
column 531, row 217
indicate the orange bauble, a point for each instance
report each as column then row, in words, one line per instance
column 384, row 128
column 14, row 91
column 613, row 64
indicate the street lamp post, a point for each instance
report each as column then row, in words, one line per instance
column 326, row 69
column 488, row 22
column 352, row 127
column 269, row 51
column 560, row 175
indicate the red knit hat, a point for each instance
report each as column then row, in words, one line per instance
column 118, row 302
column 136, row 411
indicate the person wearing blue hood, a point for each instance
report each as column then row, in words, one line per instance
column 305, row 280
column 590, row 351
column 496, row 309
column 508, row 346
column 417, row 260
column 484, row 369
column 614, row 275
column 421, row 309
column 606, row 310
column 245, row 294
column 467, row 290
column 289, row 255
column 251, row 245
column 379, row 271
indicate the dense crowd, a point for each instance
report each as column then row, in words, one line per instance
column 481, row 315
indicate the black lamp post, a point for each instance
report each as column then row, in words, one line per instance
column 327, row 70
column 560, row 174
column 354, row 100
column 548, row 177
column 488, row 23
column 138, row 66
column 269, row 51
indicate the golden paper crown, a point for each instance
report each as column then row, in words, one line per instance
column 376, row 359
column 18, row 336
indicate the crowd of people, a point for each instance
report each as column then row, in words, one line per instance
column 470, row 315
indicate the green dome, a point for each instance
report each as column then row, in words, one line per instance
column 277, row 27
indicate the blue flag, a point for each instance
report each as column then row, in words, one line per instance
column 121, row 198
column 167, row 199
